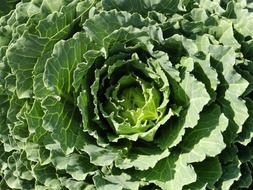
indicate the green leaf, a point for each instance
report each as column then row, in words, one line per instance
column 208, row 172
column 18, row 175
column 36, row 46
column 80, row 78
column 141, row 158
column 195, row 98
column 233, row 106
column 246, row 135
column 60, row 67
column 22, row 57
column 120, row 182
column 193, row 147
column 78, row 166
column 230, row 10
column 7, row 6
column 224, row 33
column 98, row 27
column 245, row 180
column 72, row 184
column 65, row 21
column 4, row 105
column 101, row 156
column 59, row 120
column 230, row 168
column 244, row 28
column 83, row 105
column 170, row 173
column 52, row 6
column 203, row 71
column 14, row 108
column 34, row 117
column 46, row 175
column 143, row 6
column 207, row 133
column 198, row 98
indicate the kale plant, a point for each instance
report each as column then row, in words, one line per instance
column 126, row 94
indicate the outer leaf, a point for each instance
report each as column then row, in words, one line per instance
column 75, row 185
column 141, row 158
column 34, row 117
column 101, row 156
column 208, row 172
column 143, row 6
column 124, row 180
column 65, row 21
column 203, row 71
column 234, row 83
column 170, row 173
column 46, row 175
column 241, row 26
column 22, row 57
column 196, row 98
column 4, row 131
column 224, row 33
column 18, row 174
column 208, row 133
column 59, row 69
column 194, row 148
column 230, row 168
column 59, row 119
column 245, row 137
column 102, row 184
column 76, row 165
column 98, row 27
column 245, row 180
column 121, row 182
column 7, row 6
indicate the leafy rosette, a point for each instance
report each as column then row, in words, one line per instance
column 126, row 95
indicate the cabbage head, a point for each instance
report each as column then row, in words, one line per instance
column 126, row 94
